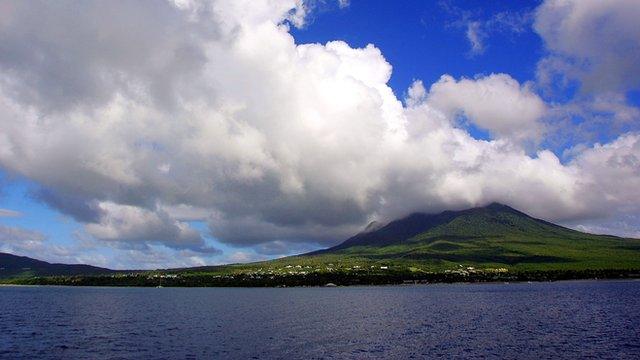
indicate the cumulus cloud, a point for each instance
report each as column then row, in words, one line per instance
column 497, row 103
column 593, row 46
column 133, row 225
column 416, row 94
column 614, row 163
column 594, row 42
column 22, row 239
column 27, row 242
column 210, row 111
column 115, row 50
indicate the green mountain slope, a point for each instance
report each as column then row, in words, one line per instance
column 491, row 236
column 13, row 266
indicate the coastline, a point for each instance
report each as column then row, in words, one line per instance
column 630, row 279
column 322, row 279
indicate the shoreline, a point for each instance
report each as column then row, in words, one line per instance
column 322, row 279
column 634, row 279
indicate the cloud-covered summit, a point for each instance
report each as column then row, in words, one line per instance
column 136, row 118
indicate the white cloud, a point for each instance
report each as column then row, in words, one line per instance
column 416, row 94
column 130, row 224
column 344, row 3
column 26, row 242
column 475, row 36
column 211, row 111
column 497, row 103
column 612, row 172
column 13, row 238
column 595, row 42
column 593, row 46
column 587, row 119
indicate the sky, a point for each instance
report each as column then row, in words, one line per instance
column 181, row 133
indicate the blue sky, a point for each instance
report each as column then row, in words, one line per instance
column 425, row 39
column 263, row 146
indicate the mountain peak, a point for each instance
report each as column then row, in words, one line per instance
column 494, row 235
column 499, row 206
column 495, row 219
column 372, row 226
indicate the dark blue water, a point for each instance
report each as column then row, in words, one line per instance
column 590, row 319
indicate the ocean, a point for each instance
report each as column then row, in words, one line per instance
column 573, row 320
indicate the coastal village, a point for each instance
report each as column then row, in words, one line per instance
column 303, row 275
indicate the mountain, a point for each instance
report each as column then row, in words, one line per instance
column 12, row 266
column 494, row 235
column 494, row 220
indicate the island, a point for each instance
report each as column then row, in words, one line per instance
column 494, row 243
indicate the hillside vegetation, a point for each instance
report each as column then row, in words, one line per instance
column 491, row 236
column 13, row 266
